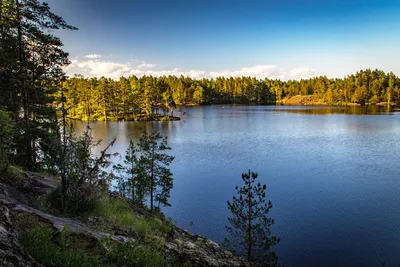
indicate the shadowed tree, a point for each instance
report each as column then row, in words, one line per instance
column 31, row 73
column 249, row 226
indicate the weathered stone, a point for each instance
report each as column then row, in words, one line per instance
column 180, row 245
column 11, row 253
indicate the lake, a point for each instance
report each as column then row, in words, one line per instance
column 332, row 175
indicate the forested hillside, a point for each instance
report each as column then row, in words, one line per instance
column 107, row 99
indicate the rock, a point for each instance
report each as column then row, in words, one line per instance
column 128, row 232
column 189, row 245
column 212, row 244
column 199, row 251
column 179, row 244
column 4, row 214
column 11, row 253
column 72, row 225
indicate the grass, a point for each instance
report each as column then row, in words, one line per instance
column 15, row 170
column 67, row 249
column 118, row 213
column 40, row 245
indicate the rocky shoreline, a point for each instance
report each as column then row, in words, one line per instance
column 20, row 203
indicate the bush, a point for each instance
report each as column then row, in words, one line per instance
column 81, row 201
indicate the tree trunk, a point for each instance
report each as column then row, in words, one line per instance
column 132, row 182
column 250, row 241
column 64, row 152
column 105, row 112
column 28, row 161
column 152, row 182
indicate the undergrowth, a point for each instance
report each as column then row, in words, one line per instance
column 66, row 249
column 118, row 213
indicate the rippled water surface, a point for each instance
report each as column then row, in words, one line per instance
column 333, row 176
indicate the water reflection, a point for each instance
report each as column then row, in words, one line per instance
column 333, row 180
column 350, row 110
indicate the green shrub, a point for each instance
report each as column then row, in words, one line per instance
column 67, row 249
column 38, row 243
column 83, row 201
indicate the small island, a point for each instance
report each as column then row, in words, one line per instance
column 134, row 117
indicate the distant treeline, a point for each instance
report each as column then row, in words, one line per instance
column 364, row 87
column 104, row 98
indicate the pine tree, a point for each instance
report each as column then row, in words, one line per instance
column 31, row 74
column 131, row 182
column 152, row 167
column 249, row 225
column 85, row 177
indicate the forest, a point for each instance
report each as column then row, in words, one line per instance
column 58, row 206
column 123, row 99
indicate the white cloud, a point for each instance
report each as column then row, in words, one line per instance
column 93, row 56
column 114, row 70
column 146, row 66
column 302, row 73
column 259, row 71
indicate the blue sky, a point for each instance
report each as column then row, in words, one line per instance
column 284, row 39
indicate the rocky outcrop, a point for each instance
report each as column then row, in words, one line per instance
column 11, row 252
column 15, row 196
column 200, row 251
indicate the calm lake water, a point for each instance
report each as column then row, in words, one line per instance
column 332, row 175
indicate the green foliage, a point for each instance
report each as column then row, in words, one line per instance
column 152, row 167
column 30, row 72
column 15, row 170
column 118, row 212
column 115, row 210
column 6, row 129
column 67, row 249
column 133, row 254
column 249, row 225
column 146, row 97
column 75, row 204
column 86, row 180
column 145, row 171
column 40, row 244
column 128, row 182
column 142, row 98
